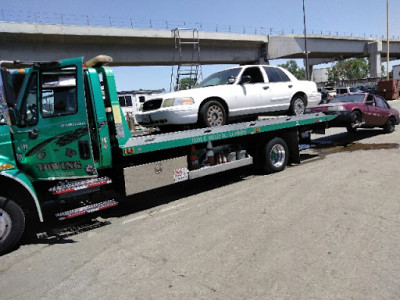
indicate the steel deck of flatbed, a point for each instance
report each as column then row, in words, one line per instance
column 150, row 143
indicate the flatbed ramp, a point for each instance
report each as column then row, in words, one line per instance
column 150, row 143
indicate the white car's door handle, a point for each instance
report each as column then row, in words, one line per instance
column 266, row 87
column 290, row 86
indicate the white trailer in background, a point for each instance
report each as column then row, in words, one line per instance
column 396, row 72
column 130, row 102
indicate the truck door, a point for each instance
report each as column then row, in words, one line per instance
column 51, row 136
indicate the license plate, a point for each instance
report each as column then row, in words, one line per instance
column 181, row 175
column 145, row 119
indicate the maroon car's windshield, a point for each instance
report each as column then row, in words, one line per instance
column 351, row 98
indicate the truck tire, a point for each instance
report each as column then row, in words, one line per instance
column 12, row 224
column 275, row 156
column 212, row 113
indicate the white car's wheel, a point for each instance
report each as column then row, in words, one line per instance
column 297, row 106
column 212, row 114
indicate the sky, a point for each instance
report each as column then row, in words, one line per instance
column 335, row 17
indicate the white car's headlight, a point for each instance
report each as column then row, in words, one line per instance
column 336, row 108
column 177, row 101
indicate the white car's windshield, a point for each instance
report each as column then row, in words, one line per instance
column 220, row 78
column 349, row 98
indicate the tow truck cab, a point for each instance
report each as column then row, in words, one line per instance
column 60, row 122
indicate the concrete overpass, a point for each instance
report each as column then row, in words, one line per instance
column 133, row 47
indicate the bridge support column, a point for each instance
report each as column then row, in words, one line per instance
column 310, row 69
column 374, row 51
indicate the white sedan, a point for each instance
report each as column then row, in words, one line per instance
column 238, row 93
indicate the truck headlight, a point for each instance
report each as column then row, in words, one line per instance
column 177, row 101
column 336, row 108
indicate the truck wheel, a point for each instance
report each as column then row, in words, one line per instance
column 12, row 224
column 297, row 106
column 275, row 155
column 389, row 126
column 212, row 114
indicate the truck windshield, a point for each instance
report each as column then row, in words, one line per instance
column 220, row 78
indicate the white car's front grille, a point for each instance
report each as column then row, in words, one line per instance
column 152, row 104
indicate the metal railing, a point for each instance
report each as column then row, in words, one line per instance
column 23, row 16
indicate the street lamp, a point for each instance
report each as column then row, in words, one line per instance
column 387, row 39
column 305, row 41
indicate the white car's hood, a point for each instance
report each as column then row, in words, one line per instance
column 194, row 93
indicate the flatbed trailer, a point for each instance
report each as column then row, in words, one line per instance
column 268, row 144
column 66, row 149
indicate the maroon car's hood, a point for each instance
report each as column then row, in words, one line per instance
column 324, row 107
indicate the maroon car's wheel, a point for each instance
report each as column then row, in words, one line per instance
column 389, row 126
column 356, row 120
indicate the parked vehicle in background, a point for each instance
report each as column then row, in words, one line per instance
column 236, row 93
column 130, row 102
column 372, row 89
column 361, row 110
column 396, row 72
column 347, row 90
column 327, row 94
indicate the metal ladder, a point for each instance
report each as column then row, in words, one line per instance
column 186, row 49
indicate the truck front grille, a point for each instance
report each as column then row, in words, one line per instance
column 152, row 104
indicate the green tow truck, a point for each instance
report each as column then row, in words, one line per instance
column 66, row 148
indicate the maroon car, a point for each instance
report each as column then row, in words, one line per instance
column 360, row 110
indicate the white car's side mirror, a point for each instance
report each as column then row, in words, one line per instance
column 231, row 80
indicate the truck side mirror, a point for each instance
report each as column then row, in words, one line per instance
column 13, row 114
column 142, row 99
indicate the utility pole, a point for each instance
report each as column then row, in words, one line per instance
column 305, row 41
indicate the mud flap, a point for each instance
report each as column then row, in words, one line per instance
column 291, row 137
